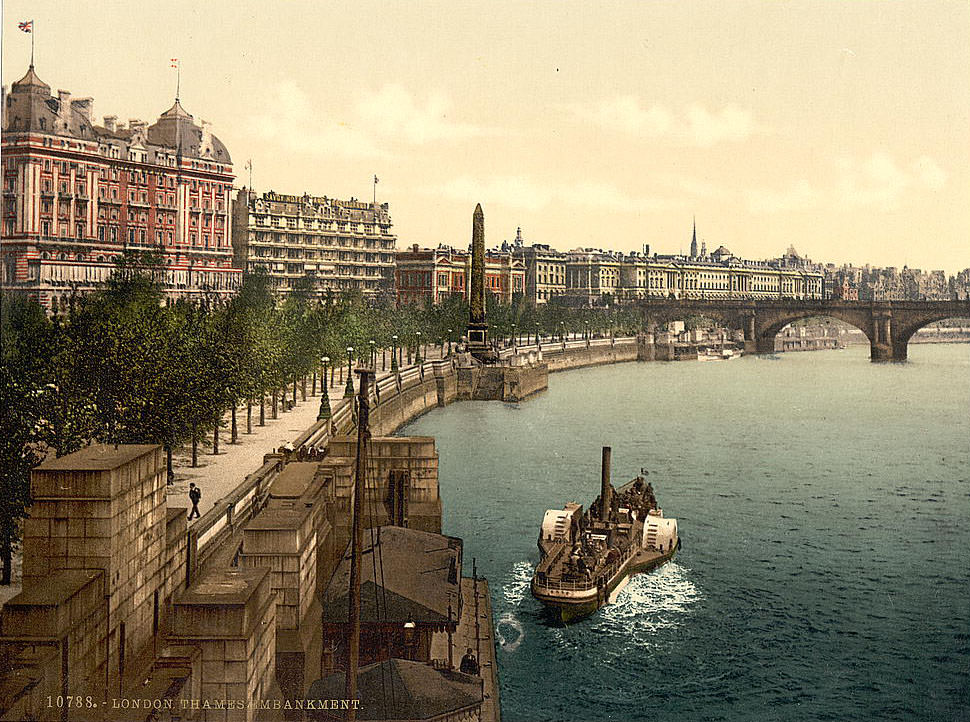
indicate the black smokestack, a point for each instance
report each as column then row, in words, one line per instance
column 606, row 491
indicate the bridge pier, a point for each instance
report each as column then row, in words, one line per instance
column 882, row 345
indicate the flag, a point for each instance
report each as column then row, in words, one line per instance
column 27, row 26
column 376, row 180
column 249, row 164
column 175, row 62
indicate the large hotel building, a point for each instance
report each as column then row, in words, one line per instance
column 333, row 245
column 78, row 195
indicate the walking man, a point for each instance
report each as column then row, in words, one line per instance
column 195, row 494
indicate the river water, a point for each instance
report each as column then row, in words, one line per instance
column 824, row 504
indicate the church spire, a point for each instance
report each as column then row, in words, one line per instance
column 693, row 241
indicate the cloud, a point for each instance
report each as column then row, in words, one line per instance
column 731, row 123
column 880, row 182
column 522, row 192
column 302, row 123
column 513, row 191
column 929, row 173
column 695, row 124
column 395, row 113
column 801, row 196
column 625, row 114
column 291, row 120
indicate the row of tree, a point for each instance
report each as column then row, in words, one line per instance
column 123, row 366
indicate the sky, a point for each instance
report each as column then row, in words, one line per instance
column 839, row 128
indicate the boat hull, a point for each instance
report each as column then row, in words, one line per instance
column 566, row 607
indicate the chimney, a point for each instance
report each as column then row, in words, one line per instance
column 109, row 123
column 64, row 104
column 646, row 249
column 84, row 106
column 414, row 248
column 606, row 490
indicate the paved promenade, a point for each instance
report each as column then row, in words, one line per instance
column 218, row 475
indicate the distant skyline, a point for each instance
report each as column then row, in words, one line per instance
column 839, row 128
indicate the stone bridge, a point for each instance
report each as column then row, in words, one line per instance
column 887, row 324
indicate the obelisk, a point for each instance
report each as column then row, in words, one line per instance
column 477, row 326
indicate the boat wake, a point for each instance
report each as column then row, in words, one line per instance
column 650, row 602
column 509, row 632
column 508, row 622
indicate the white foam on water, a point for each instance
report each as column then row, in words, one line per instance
column 651, row 602
column 508, row 621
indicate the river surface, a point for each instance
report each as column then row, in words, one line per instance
column 824, row 504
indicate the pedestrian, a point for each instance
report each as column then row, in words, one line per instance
column 469, row 665
column 195, row 494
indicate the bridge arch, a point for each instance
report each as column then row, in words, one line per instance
column 904, row 331
column 887, row 324
column 769, row 323
column 765, row 334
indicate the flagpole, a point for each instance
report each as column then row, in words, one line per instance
column 31, row 43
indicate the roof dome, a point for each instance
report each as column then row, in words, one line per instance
column 176, row 111
column 30, row 82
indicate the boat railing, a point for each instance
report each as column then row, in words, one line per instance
column 585, row 585
column 550, row 560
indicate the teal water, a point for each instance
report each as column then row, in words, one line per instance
column 824, row 504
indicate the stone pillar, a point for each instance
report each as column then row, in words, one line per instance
column 750, row 337
column 477, row 326
column 230, row 615
column 646, row 349
column 881, row 344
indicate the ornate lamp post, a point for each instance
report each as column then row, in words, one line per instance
column 513, row 335
column 324, row 392
column 562, row 332
column 537, row 333
column 349, row 390
column 450, row 333
column 373, row 354
column 417, row 348
column 587, row 334
column 393, row 353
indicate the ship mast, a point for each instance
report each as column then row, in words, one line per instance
column 356, row 547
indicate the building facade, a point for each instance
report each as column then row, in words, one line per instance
column 545, row 270
column 717, row 275
column 431, row 275
column 593, row 276
column 324, row 244
column 77, row 196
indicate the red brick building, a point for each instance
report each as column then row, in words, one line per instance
column 76, row 195
column 426, row 275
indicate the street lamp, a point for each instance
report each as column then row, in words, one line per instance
column 410, row 638
column 373, row 354
column 417, row 348
column 450, row 332
column 393, row 353
column 587, row 334
column 562, row 331
column 537, row 333
column 324, row 412
column 349, row 389
column 513, row 335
